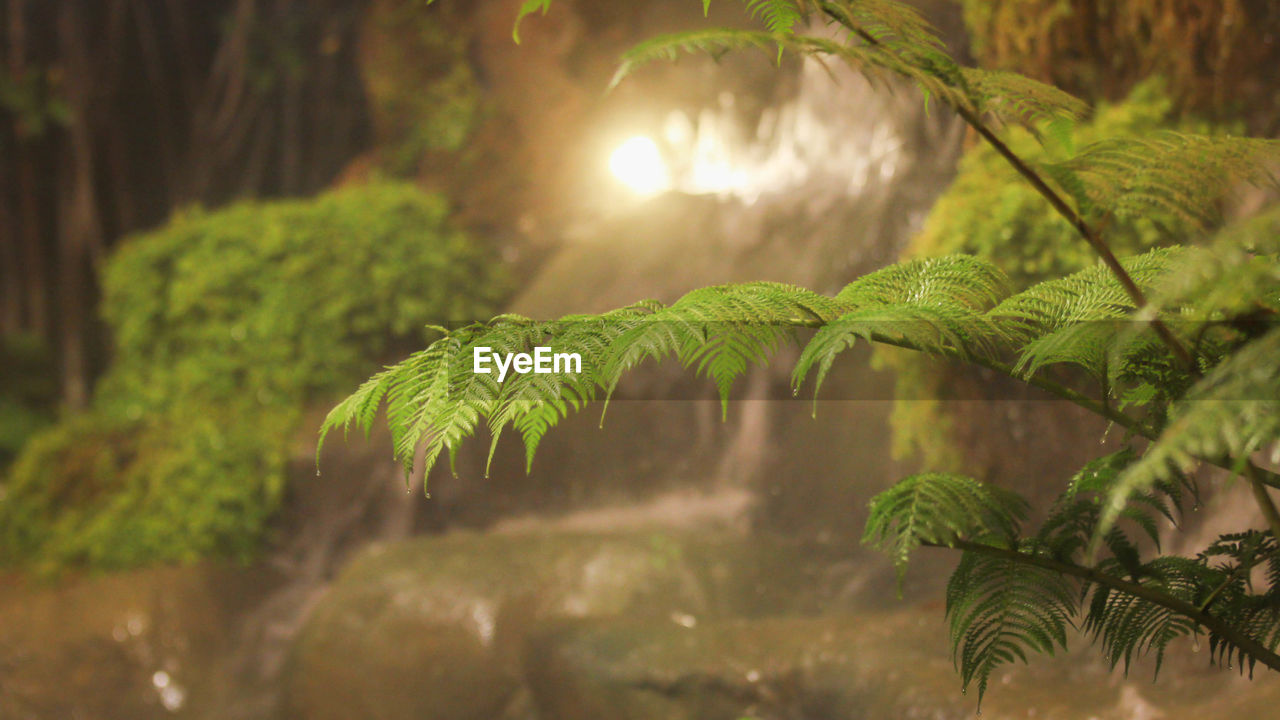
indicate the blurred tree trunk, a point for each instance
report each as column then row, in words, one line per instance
column 79, row 229
column 128, row 109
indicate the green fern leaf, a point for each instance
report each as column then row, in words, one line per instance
column 1233, row 412
column 934, row 304
column 938, row 509
column 999, row 608
column 1018, row 99
column 1170, row 174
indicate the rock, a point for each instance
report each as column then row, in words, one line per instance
column 139, row 645
column 872, row 666
column 436, row 627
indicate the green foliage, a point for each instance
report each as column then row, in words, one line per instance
column 989, row 211
column 104, row 493
column 938, row 509
column 28, row 393
column 288, row 298
column 999, row 609
column 1215, row 54
column 1016, row 590
column 226, row 324
column 1133, row 170
column 424, row 96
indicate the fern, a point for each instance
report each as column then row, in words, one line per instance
column 1127, row 625
column 1077, row 319
column 1013, row 592
column 1015, row 98
column 779, row 16
column 1168, row 173
column 999, row 609
column 939, row 509
column 1233, row 412
column 935, row 304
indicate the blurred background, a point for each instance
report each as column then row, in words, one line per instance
column 218, row 216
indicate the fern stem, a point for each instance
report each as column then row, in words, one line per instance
column 1263, row 499
column 1086, row 231
column 1228, row 633
column 1102, row 409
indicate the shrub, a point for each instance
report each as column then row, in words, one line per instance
column 225, row 324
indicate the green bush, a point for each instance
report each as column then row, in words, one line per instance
column 989, row 211
column 226, row 323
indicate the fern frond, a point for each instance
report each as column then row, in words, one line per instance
column 888, row 22
column 1015, row 98
column 1076, row 319
column 1090, row 295
column 528, row 7
column 1233, row 412
column 999, row 608
column 779, row 16
column 1072, row 521
column 934, row 304
column 939, row 78
column 1168, row 174
column 1127, row 626
column 1236, row 275
column 938, row 509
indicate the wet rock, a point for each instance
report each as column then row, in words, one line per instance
column 874, row 666
column 137, row 645
column 435, row 628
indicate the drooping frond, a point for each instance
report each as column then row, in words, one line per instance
column 999, row 609
column 1129, row 626
column 528, row 7
column 1073, row 520
column 1165, row 174
column 779, row 16
column 1237, row 600
column 936, row 304
column 1015, row 98
column 435, row 399
column 720, row 331
column 1233, row 412
column 938, row 509
column 888, row 22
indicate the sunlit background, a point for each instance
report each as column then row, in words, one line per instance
column 218, row 217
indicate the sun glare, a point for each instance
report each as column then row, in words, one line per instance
column 639, row 165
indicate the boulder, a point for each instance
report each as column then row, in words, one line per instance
column 436, row 627
column 871, row 666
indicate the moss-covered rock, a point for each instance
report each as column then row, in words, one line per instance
column 1214, row 53
column 225, row 324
